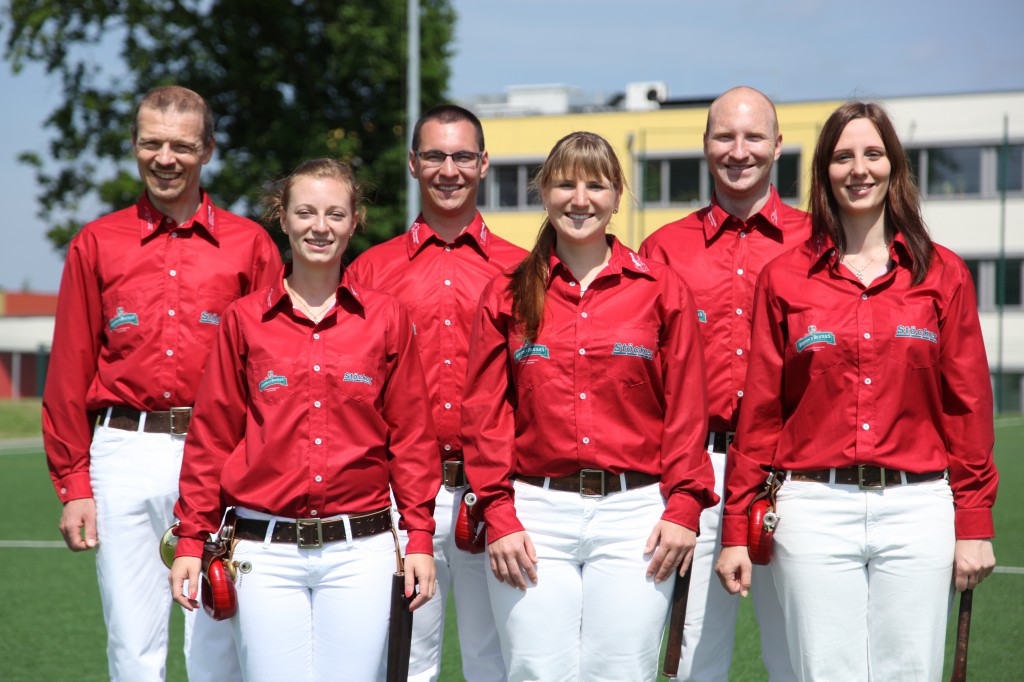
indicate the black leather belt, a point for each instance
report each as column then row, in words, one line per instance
column 592, row 482
column 313, row 533
column 453, row 471
column 865, row 476
column 174, row 421
column 719, row 441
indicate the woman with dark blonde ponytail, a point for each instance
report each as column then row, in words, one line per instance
column 585, row 422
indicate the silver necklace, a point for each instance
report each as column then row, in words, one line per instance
column 859, row 272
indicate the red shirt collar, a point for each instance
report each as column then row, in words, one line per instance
column 347, row 288
column 151, row 219
column 420, row 234
column 824, row 252
column 770, row 215
column 622, row 259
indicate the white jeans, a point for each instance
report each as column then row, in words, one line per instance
column 593, row 614
column 135, row 485
column 312, row 615
column 710, row 626
column 865, row 579
column 465, row 575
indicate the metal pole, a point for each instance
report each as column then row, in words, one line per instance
column 412, row 78
column 1004, row 157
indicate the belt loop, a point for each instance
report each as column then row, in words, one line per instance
column 106, row 418
column 710, row 447
column 348, row 530
column 622, row 481
column 903, row 477
column 142, row 421
column 270, row 532
column 547, row 483
column 832, row 476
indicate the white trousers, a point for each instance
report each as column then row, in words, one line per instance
column 313, row 615
column 710, row 625
column 593, row 614
column 865, row 579
column 135, row 485
column 465, row 576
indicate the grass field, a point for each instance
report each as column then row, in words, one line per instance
column 51, row 627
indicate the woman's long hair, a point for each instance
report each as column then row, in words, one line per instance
column 902, row 204
column 577, row 155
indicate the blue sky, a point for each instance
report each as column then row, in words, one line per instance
column 791, row 49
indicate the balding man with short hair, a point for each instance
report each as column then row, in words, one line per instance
column 719, row 251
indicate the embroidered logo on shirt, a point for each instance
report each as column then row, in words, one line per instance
column 357, row 378
column 912, row 332
column 273, row 382
column 209, row 318
column 813, row 338
column 634, row 350
column 122, row 318
column 702, row 316
column 531, row 349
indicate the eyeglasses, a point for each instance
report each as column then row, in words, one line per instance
column 461, row 159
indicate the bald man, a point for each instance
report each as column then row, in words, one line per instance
column 719, row 251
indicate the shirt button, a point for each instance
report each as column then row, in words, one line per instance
column 739, row 311
column 316, row 368
column 867, row 335
column 583, row 351
column 586, row 440
column 318, row 441
column 583, row 314
column 447, row 448
column 318, row 478
column 743, row 234
column 447, row 248
column 863, row 297
column 740, row 271
column 447, row 282
column 316, row 336
column 172, row 273
column 447, row 323
column 171, row 313
column 167, row 394
column 174, row 235
column 170, row 352
column 868, row 380
column 739, row 351
column 313, row 513
column 447, row 362
column 739, row 394
column 865, row 426
column 447, row 406
column 572, row 284
column 63, row 491
column 583, row 396
column 316, row 403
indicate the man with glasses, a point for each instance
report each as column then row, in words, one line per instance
column 719, row 251
column 437, row 270
column 138, row 311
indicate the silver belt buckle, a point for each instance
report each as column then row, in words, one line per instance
column 868, row 486
column 185, row 413
column 300, row 525
column 585, row 474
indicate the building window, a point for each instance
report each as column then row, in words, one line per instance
column 687, row 180
column 986, row 275
column 954, row 170
column 968, row 171
column 506, row 187
column 787, row 176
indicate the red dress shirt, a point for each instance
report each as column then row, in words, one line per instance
column 615, row 381
column 140, row 303
column 890, row 375
column 307, row 420
column 440, row 284
column 720, row 256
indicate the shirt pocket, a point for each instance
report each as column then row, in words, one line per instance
column 533, row 365
column 355, row 376
column 628, row 355
column 271, row 382
column 211, row 305
column 914, row 336
column 819, row 340
column 123, row 317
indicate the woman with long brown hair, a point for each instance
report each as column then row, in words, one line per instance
column 868, row 393
column 585, row 426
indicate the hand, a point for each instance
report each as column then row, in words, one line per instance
column 78, row 516
column 973, row 561
column 672, row 545
column 186, row 569
column 511, row 556
column 734, row 569
column 419, row 568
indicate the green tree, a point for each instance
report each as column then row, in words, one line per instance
column 287, row 79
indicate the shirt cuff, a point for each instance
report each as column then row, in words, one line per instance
column 189, row 547
column 974, row 524
column 74, row 487
column 420, row 542
column 683, row 509
column 734, row 530
column 501, row 520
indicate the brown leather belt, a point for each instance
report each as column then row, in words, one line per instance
column 313, row 533
column 592, row 482
column 865, row 476
column 174, row 421
column 453, row 471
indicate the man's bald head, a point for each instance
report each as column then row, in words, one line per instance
column 743, row 96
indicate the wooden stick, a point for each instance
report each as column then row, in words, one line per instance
column 963, row 633
column 677, row 616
